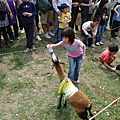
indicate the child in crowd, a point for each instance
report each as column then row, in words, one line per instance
column 27, row 12
column 89, row 31
column 116, row 21
column 63, row 20
column 108, row 56
column 102, row 12
column 76, row 52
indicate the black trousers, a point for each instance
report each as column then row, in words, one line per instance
column 29, row 30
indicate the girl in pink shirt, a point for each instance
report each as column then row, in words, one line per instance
column 76, row 52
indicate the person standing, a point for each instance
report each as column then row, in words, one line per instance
column 57, row 12
column 12, row 22
column 102, row 12
column 74, row 13
column 27, row 12
column 85, row 16
column 4, row 22
column 63, row 20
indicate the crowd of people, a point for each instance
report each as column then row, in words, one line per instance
column 25, row 15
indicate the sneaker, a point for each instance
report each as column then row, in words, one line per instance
column 33, row 47
column 101, row 43
column 112, row 38
column 97, row 43
column 51, row 34
column 11, row 40
column 17, row 38
column 39, row 33
column 102, row 66
column 92, row 46
column 27, row 50
column 38, row 38
column 21, row 31
column 46, row 36
column 104, row 35
column 77, row 81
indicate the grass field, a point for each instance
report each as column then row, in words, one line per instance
column 28, row 84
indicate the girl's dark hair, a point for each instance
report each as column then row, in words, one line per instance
column 102, row 3
column 69, row 33
column 113, row 48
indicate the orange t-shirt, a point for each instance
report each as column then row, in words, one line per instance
column 106, row 55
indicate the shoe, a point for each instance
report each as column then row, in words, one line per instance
column 46, row 36
column 77, row 81
column 39, row 33
column 11, row 40
column 38, row 38
column 112, row 38
column 104, row 35
column 97, row 43
column 92, row 46
column 21, row 31
column 101, row 43
column 102, row 66
column 17, row 38
column 33, row 47
column 27, row 50
column 51, row 34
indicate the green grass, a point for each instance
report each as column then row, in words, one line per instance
column 28, row 84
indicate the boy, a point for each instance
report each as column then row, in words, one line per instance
column 63, row 20
column 27, row 12
column 87, row 28
column 108, row 56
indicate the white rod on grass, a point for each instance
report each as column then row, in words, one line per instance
column 104, row 108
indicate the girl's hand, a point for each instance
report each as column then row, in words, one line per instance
column 117, row 15
column 49, row 46
column 82, row 59
column 11, row 16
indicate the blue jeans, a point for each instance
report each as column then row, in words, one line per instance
column 99, row 35
column 59, row 34
column 74, row 67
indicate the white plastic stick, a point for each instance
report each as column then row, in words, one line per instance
column 104, row 108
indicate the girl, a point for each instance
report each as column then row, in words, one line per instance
column 102, row 12
column 76, row 52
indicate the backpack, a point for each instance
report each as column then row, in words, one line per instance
column 3, row 10
column 44, row 5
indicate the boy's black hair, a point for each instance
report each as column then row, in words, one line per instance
column 69, row 33
column 113, row 48
column 97, row 18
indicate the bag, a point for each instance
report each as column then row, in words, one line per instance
column 44, row 5
column 3, row 10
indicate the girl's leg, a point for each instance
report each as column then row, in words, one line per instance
column 77, row 67
column 71, row 68
column 4, row 32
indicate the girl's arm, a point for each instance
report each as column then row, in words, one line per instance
column 115, row 9
column 84, row 51
column 53, row 45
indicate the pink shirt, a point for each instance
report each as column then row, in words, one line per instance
column 74, row 50
column 105, row 55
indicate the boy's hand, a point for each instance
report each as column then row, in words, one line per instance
column 25, row 13
column 113, row 69
column 29, row 14
column 89, row 36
